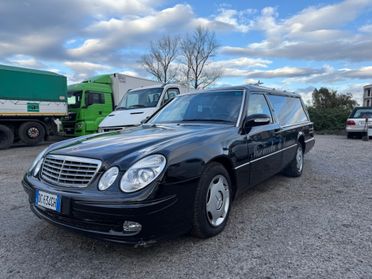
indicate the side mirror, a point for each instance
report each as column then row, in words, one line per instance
column 257, row 120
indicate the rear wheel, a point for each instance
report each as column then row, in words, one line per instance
column 31, row 133
column 295, row 167
column 212, row 201
column 6, row 137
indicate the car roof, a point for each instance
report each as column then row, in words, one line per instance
column 249, row 88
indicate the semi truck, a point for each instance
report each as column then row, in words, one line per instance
column 90, row 101
column 30, row 103
column 138, row 104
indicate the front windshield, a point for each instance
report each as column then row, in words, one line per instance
column 74, row 99
column 222, row 106
column 143, row 98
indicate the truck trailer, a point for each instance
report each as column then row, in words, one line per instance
column 90, row 101
column 30, row 102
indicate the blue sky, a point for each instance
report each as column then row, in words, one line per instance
column 292, row 45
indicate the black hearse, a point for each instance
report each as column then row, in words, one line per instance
column 176, row 173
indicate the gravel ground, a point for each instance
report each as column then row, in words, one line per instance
column 315, row 226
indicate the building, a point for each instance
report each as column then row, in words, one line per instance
column 367, row 95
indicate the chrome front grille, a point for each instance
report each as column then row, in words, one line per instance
column 69, row 171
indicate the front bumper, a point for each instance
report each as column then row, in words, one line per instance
column 103, row 217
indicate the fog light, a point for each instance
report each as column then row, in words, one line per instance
column 131, row 227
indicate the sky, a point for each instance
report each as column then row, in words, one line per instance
column 290, row 45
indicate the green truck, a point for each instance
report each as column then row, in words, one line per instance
column 90, row 101
column 30, row 103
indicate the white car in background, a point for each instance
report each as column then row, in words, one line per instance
column 138, row 104
column 356, row 123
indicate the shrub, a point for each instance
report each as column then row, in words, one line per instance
column 330, row 119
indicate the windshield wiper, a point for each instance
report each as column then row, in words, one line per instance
column 208, row 119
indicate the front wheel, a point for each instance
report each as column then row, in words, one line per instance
column 212, row 201
column 295, row 167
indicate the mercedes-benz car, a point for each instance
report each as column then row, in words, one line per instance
column 178, row 172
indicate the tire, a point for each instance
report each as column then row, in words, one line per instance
column 296, row 166
column 31, row 133
column 214, row 183
column 6, row 137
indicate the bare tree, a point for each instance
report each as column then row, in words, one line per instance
column 197, row 49
column 159, row 61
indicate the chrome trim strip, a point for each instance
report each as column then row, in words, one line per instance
column 306, row 141
column 268, row 155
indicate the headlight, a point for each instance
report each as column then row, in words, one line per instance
column 108, row 178
column 142, row 173
column 36, row 164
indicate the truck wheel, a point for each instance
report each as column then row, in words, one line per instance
column 31, row 133
column 6, row 137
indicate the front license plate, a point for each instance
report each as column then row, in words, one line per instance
column 48, row 200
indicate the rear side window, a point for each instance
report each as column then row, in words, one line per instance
column 361, row 113
column 289, row 110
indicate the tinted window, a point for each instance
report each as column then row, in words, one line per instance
column 257, row 105
column 202, row 107
column 361, row 113
column 95, row 98
column 289, row 110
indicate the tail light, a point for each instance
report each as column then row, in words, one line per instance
column 350, row 122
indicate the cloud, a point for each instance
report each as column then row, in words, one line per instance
column 242, row 62
column 315, row 33
column 83, row 70
column 283, row 72
column 106, row 35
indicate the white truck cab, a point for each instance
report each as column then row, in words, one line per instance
column 138, row 104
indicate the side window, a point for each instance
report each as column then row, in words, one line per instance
column 94, row 98
column 170, row 94
column 289, row 110
column 257, row 104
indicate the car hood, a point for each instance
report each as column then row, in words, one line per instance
column 126, row 117
column 132, row 143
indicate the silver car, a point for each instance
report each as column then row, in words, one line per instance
column 356, row 123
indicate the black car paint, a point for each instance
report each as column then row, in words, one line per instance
column 164, row 208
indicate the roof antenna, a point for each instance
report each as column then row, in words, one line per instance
column 258, row 83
